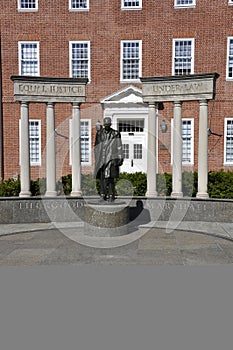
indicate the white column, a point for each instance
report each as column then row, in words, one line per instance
column 76, row 152
column 152, row 166
column 177, row 151
column 50, row 152
column 203, row 151
column 24, row 151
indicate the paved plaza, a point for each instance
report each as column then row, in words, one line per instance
column 159, row 243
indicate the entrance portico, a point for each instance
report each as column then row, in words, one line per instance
column 176, row 89
column 50, row 91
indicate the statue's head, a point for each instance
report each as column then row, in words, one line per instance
column 107, row 123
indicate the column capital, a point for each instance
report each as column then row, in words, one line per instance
column 203, row 102
column 50, row 104
column 76, row 105
column 178, row 103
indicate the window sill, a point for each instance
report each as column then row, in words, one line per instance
column 132, row 8
column 78, row 10
column 185, row 7
column 27, row 10
column 127, row 81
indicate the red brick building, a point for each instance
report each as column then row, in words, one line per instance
column 113, row 44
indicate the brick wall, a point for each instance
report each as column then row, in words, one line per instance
column 105, row 25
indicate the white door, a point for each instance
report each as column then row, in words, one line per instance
column 134, row 149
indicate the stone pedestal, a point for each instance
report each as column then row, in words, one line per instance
column 106, row 220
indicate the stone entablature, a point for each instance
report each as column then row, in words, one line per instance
column 50, row 91
column 179, row 88
column 46, row 89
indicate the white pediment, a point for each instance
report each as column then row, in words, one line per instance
column 128, row 95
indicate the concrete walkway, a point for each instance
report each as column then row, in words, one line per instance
column 219, row 229
column 156, row 243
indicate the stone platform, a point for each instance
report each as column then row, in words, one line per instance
column 106, row 219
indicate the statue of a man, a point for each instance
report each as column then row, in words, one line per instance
column 108, row 158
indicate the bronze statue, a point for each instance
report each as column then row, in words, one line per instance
column 108, row 158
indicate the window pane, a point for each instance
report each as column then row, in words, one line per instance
column 80, row 60
column 131, row 60
column 29, row 59
column 78, row 4
column 34, row 135
column 28, row 4
column 186, row 141
column 137, row 151
column 130, row 3
column 185, row 2
column 230, row 59
column 229, row 141
column 125, row 148
column 130, row 125
column 85, row 144
column 183, row 57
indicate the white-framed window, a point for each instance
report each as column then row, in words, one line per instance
column 29, row 62
column 131, row 4
column 229, row 70
column 131, row 60
column 78, row 5
column 34, row 141
column 80, row 59
column 230, row 2
column 228, row 141
column 183, row 56
column 27, row 5
column 185, row 3
column 85, row 130
column 187, row 141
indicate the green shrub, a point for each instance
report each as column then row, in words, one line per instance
column 38, row 187
column 189, row 183
column 220, row 184
column 9, row 188
column 164, row 184
column 135, row 185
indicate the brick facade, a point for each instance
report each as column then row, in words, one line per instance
column 105, row 25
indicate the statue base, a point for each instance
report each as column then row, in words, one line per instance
column 106, row 219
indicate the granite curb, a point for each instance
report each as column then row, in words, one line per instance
column 218, row 229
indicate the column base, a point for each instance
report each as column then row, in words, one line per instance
column 50, row 194
column 152, row 194
column 177, row 194
column 76, row 194
column 202, row 195
column 25, row 194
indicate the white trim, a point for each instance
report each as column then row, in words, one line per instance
column 20, row 43
column 178, row 6
column 225, row 143
column 39, row 126
column 229, row 38
column 79, row 9
column 230, row 2
column 140, row 62
column 129, row 94
column 192, row 53
column 27, row 9
column 191, row 163
column 130, row 8
column 89, row 56
column 89, row 163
